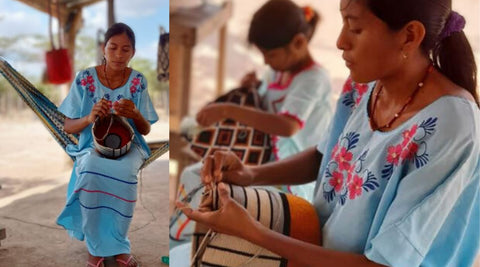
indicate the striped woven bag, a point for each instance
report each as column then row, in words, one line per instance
column 283, row 213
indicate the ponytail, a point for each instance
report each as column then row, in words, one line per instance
column 453, row 57
column 312, row 17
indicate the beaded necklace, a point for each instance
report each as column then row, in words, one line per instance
column 374, row 125
column 106, row 77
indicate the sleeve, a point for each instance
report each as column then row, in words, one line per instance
column 72, row 104
column 145, row 104
column 309, row 90
column 431, row 219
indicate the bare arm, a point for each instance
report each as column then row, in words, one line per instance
column 74, row 126
column 226, row 166
column 264, row 121
column 297, row 169
column 303, row 253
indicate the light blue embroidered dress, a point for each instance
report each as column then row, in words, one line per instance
column 102, row 192
column 407, row 197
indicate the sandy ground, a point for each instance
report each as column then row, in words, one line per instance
column 34, row 173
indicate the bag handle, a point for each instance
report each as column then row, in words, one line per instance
column 50, row 22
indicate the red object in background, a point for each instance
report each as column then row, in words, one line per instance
column 59, row 68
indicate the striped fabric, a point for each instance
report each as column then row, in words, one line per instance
column 283, row 213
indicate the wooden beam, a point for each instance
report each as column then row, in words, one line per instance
column 43, row 6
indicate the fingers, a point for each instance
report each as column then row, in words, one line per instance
column 125, row 108
column 223, row 193
column 201, row 217
column 206, row 171
column 218, row 162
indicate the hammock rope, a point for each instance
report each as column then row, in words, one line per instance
column 49, row 115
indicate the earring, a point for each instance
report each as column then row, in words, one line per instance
column 104, row 60
column 404, row 55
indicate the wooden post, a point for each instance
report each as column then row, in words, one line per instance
column 3, row 233
column 111, row 13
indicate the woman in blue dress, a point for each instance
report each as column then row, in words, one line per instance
column 102, row 192
column 398, row 175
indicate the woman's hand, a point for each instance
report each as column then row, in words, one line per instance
column 126, row 108
column 230, row 218
column 100, row 109
column 212, row 113
column 250, row 80
column 225, row 166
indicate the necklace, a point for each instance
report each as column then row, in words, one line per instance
column 374, row 125
column 106, row 77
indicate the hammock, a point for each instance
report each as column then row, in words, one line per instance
column 49, row 115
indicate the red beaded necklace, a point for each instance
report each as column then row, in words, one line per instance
column 374, row 125
column 106, row 77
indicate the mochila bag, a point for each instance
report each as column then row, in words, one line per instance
column 59, row 67
column 252, row 146
column 284, row 213
column 112, row 136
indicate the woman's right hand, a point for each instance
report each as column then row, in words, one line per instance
column 225, row 166
column 100, row 109
column 250, row 80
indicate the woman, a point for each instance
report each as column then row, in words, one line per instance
column 102, row 192
column 398, row 177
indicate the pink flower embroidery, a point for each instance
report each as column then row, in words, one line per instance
column 133, row 89
column 336, row 181
column 361, row 89
column 394, row 154
column 91, row 88
column 135, row 81
column 343, row 159
column 409, row 134
column 355, row 187
column 334, row 151
column 83, row 82
column 410, row 151
column 89, row 79
column 350, row 173
column 347, row 87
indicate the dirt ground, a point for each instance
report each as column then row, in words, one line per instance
column 34, row 173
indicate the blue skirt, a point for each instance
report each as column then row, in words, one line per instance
column 101, row 199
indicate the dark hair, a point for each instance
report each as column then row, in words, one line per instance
column 119, row 28
column 452, row 55
column 277, row 22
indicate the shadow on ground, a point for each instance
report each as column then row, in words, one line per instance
column 33, row 238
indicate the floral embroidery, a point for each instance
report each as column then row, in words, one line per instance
column 136, row 85
column 343, row 159
column 394, row 154
column 413, row 147
column 86, row 81
column 353, row 93
column 358, row 179
column 337, row 181
column 355, row 187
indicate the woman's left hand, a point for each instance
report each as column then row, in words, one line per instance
column 230, row 218
column 126, row 108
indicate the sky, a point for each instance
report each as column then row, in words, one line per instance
column 144, row 16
